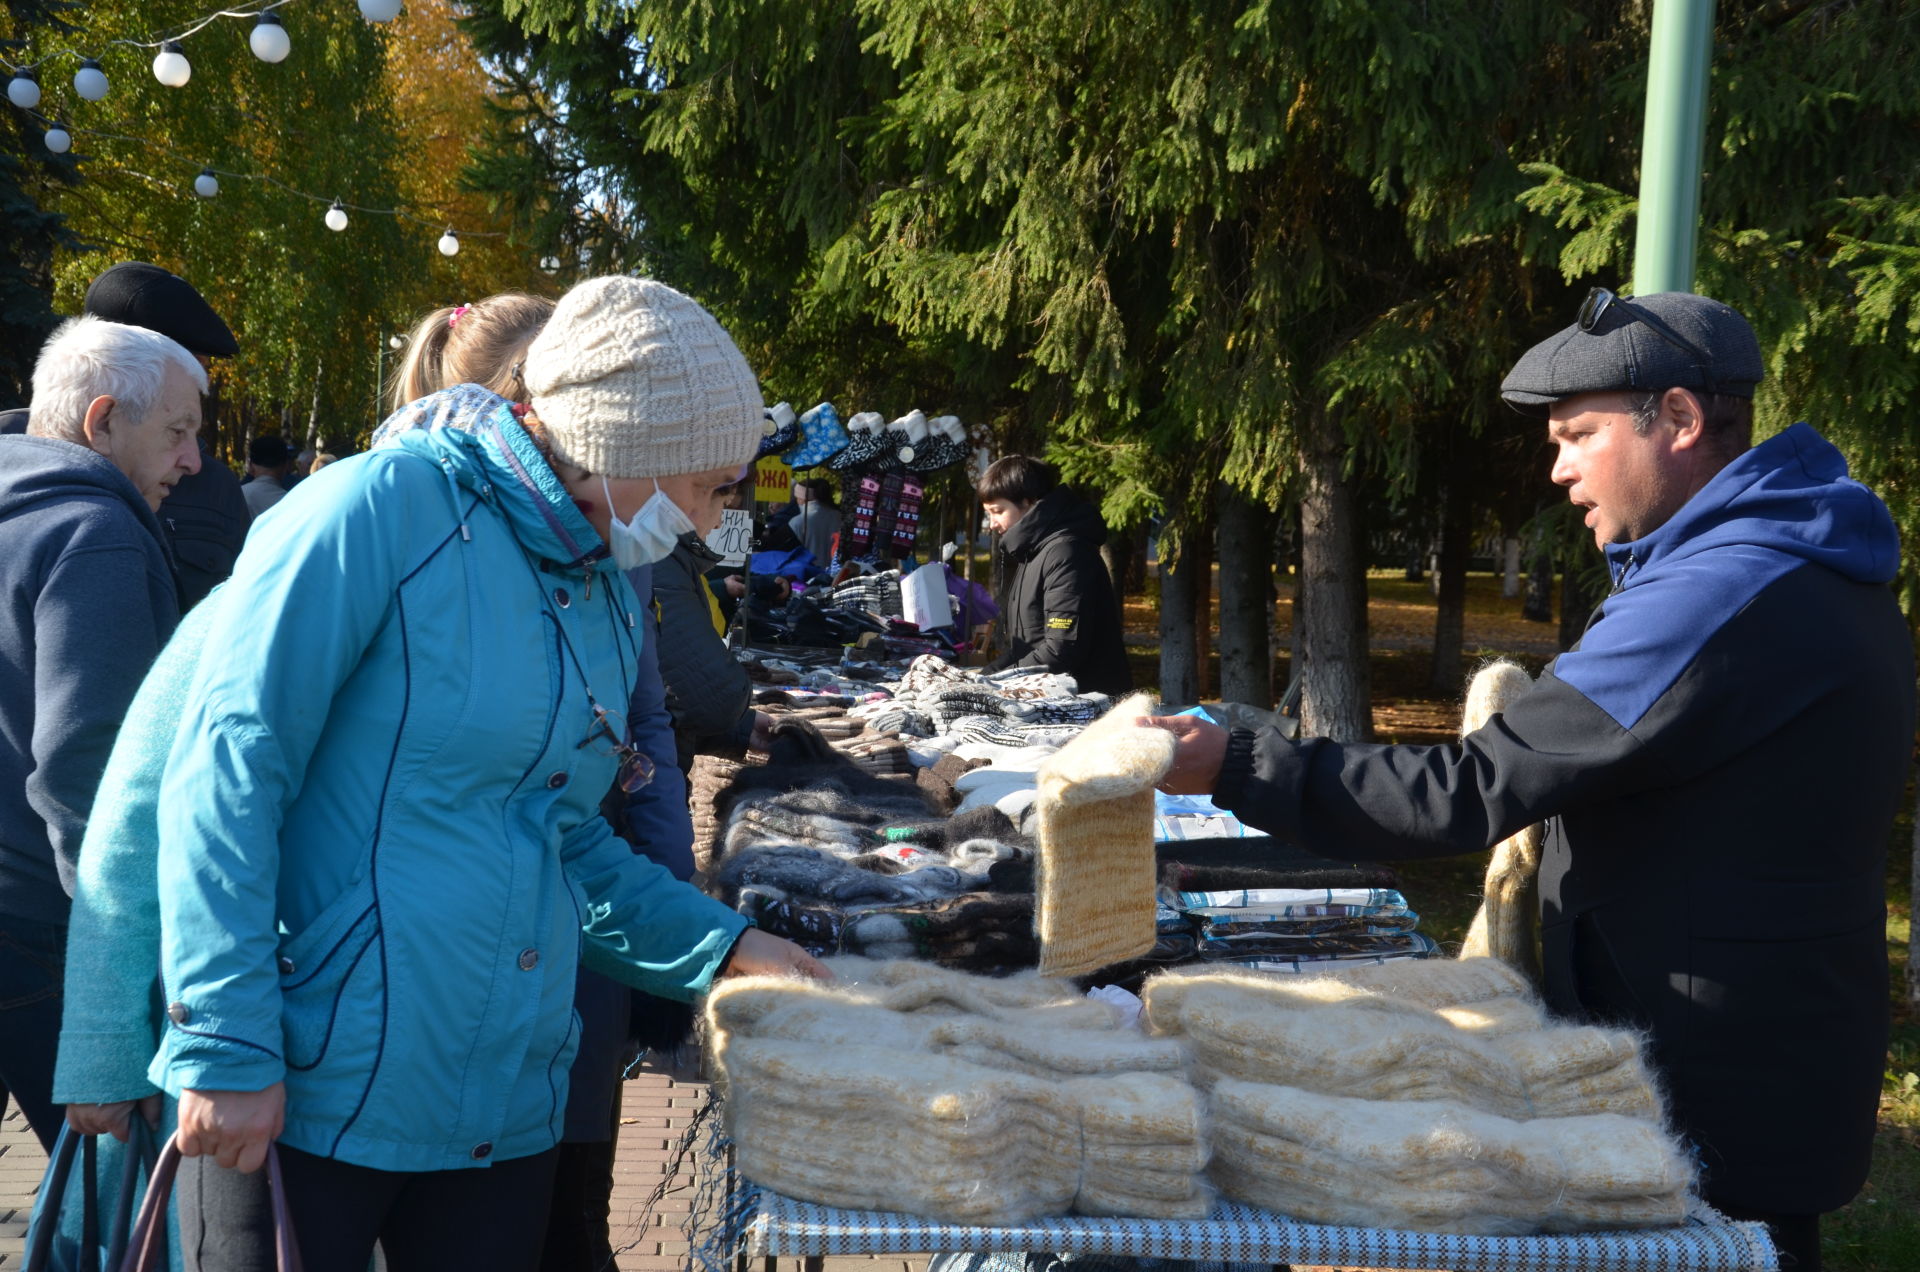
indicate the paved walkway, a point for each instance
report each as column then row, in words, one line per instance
column 656, row 1106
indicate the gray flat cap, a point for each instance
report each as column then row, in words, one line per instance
column 1640, row 343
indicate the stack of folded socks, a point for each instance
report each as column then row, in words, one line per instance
column 1430, row 1095
column 1441, row 1166
column 963, row 1099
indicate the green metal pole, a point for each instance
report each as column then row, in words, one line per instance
column 1670, row 155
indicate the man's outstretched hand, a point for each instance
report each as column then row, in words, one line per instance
column 1200, row 750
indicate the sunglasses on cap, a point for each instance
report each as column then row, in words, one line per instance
column 1600, row 302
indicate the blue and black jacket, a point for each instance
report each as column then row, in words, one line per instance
column 1719, row 762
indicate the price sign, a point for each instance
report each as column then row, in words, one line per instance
column 734, row 539
column 772, row 481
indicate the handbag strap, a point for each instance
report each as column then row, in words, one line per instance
column 147, row 1251
column 135, row 1166
column 53, row 1190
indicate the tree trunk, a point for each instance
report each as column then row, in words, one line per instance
column 313, row 416
column 1137, row 540
column 1536, row 606
column 1333, row 630
column 1510, row 578
column 1203, row 609
column 1450, row 576
column 1246, row 548
column 1179, row 681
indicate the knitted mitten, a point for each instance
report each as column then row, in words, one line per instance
column 1504, row 927
column 1096, row 866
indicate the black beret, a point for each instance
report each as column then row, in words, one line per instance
column 143, row 295
column 1625, row 350
column 269, row 451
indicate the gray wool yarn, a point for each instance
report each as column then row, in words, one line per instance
column 1504, row 927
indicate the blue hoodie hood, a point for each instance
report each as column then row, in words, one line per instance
column 1783, row 505
column 1790, row 494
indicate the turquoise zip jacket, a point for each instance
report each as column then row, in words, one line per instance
column 380, row 839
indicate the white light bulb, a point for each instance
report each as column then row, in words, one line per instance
column 90, row 81
column 59, row 140
column 449, row 244
column 336, row 217
column 23, row 91
column 269, row 39
column 170, row 65
column 379, row 10
column 206, row 185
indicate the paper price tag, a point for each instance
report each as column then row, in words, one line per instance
column 734, row 539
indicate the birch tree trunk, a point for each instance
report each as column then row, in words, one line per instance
column 1510, row 579
column 1450, row 586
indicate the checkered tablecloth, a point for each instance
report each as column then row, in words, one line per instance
column 780, row 1226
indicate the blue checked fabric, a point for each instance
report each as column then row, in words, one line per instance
column 1234, row 1233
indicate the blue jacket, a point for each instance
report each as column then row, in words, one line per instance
column 379, row 827
column 86, row 600
column 1718, row 763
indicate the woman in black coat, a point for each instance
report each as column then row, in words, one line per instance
column 1059, row 611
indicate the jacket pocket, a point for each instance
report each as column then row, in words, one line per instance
column 330, row 977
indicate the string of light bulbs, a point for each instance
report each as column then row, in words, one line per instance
column 268, row 40
column 59, row 139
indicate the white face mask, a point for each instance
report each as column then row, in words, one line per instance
column 652, row 533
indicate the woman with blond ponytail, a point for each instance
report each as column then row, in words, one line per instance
column 373, row 899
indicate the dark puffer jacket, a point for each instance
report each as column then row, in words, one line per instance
column 708, row 692
column 1719, row 762
column 1059, row 612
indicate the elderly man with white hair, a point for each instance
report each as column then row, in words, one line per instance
column 87, row 598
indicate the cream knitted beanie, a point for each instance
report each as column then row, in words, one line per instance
column 633, row 379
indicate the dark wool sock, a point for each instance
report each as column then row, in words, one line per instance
column 944, row 797
column 1222, row 865
column 801, row 759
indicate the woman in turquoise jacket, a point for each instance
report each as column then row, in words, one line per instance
column 380, row 839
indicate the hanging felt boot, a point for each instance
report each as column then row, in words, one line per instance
column 865, row 446
column 945, row 446
column 822, row 436
column 782, row 430
column 906, row 439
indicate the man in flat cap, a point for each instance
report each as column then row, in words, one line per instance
column 204, row 516
column 1718, row 761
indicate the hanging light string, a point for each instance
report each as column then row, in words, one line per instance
column 175, row 153
column 191, row 29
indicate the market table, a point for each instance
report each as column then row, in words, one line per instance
column 771, row 1226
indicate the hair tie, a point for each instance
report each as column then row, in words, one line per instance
column 519, row 410
column 457, row 311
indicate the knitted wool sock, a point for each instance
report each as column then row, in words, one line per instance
column 1504, row 927
column 1096, row 863
column 906, row 526
column 1437, row 1166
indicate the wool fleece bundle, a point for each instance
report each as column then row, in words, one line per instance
column 1504, row 927
column 963, row 1099
column 1440, row 1166
column 1498, row 1056
column 1096, row 874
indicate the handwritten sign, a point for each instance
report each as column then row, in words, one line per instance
column 734, row 539
column 772, row 481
